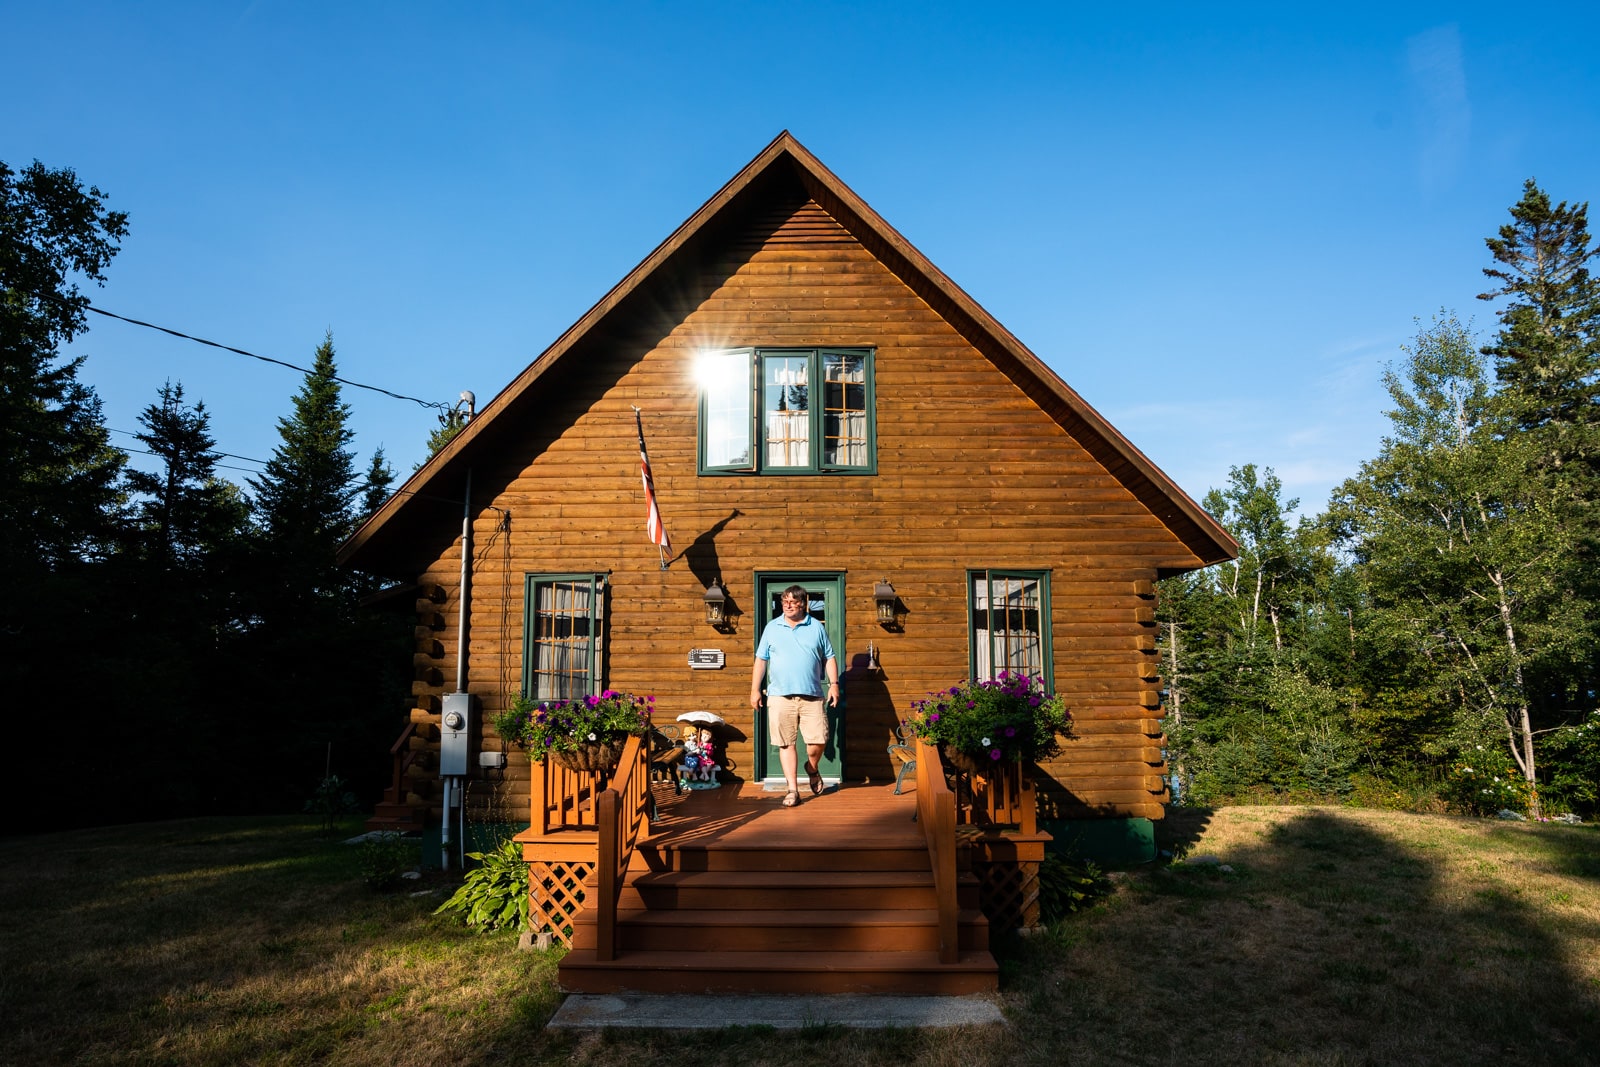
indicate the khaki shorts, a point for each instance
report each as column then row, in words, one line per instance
column 787, row 716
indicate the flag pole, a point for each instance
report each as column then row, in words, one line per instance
column 653, row 524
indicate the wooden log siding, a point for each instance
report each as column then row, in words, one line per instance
column 971, row 473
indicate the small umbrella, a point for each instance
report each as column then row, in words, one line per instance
column 709, row 718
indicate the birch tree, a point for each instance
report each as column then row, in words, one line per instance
column 1463, row 555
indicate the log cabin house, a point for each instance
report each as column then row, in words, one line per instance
column 942, row 477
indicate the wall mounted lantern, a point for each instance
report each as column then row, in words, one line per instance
column 883, row 595
column 716, row 601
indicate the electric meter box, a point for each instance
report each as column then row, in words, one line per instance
column 454, row 727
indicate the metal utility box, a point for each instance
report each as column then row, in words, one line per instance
column 455, row 725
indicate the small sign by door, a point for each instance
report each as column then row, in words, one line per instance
column 707, row 659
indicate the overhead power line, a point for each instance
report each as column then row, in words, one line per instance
column 431, row 404
column 211, row 451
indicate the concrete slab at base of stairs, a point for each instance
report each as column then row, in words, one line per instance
column 684, row 1011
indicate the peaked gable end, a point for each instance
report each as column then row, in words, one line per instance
column 783, row 198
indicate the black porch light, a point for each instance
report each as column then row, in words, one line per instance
column 716, row 601
column 884, row 596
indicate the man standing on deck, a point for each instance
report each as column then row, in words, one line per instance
column 795, row 647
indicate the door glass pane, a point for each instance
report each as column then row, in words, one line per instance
column 844, row 411
column 786, row 405
column 562, row 626
column 816, row 605
column 725, row 380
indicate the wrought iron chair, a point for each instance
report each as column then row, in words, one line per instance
column 904, row 752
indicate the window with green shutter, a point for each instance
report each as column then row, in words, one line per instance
column 787, row 411
column 1008, row 614
column 563, row 635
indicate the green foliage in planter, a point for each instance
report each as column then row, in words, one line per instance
column 494, row 894
column 568, row 725
column 1006, row 718
column 1066, row 887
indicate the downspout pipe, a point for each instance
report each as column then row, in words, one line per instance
column 453, row 791
column 466, row 586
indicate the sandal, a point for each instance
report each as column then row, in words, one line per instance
column 817, row 785
column 792, row 799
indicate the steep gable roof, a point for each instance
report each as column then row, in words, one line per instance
column 776, row 171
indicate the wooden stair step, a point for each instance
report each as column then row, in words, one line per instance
column 755, row 857
column 830, row 890
column 770, row 930
column 390, row 816
column 779, row 972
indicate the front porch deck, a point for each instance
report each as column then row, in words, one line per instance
column 744, row 815
column 732, row 892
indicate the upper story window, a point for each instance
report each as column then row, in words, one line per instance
column 787, row 411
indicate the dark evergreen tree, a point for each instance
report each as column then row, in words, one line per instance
column 321, row 668
column 58, row 498
column 304, row 497
column 451, row 423
column 184, row 511
column 380, row 476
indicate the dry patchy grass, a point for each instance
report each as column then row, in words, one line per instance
column 1340, row 937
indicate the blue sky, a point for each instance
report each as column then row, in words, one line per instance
column 1216, row 226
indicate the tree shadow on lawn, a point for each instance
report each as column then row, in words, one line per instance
column 220, row 941
column 1331, row 941
column 226, row 941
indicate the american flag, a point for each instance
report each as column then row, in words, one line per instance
column 652, row 520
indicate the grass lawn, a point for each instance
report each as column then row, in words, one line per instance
column 1339, row 937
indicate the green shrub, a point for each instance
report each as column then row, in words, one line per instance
column 1572, row 761
column 1066, row 887
column 494, row 894
column 385, row 857
column 332, row 801
column 1484, row 779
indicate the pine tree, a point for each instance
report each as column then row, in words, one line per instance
column 187, row 512
column 58, row 497
column 1547, row 353
column 380, row 476
column 451, row 423
column 304, row 497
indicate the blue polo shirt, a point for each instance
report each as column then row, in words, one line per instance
column 795, row 656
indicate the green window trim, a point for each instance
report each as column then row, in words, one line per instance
column 782, row 411
column 563, row 635
column 1021, row 641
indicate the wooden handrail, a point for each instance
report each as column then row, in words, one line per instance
column 621, row 813
column 936, row 810
column 402, row 757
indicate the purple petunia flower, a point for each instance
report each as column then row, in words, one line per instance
column 994, row 753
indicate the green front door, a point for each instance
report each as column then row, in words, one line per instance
column 827, row 607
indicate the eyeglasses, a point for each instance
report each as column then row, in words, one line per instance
column 792, row 600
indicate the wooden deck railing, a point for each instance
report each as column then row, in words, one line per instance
column 560, row 799
column 1003, row 795
column 621, row 812
column 936, row 810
